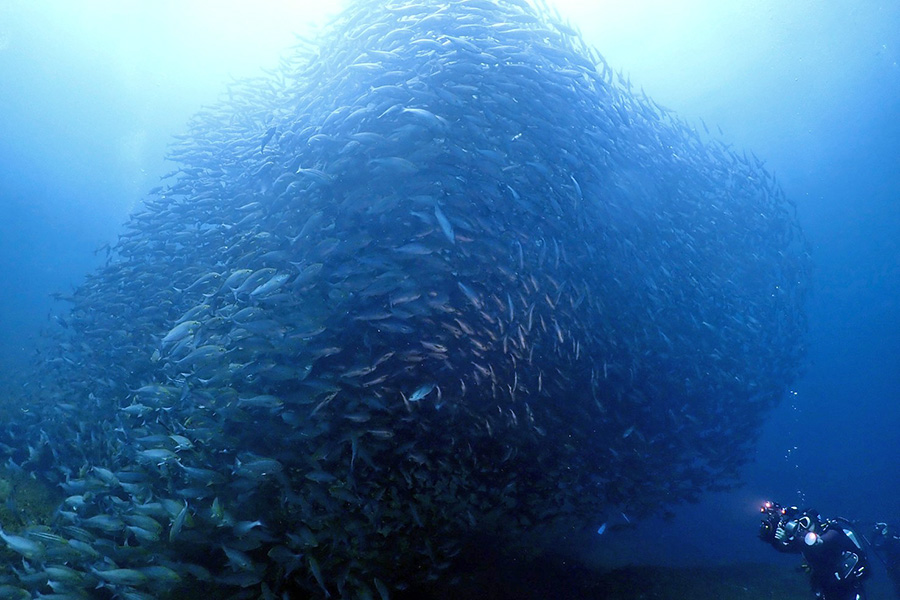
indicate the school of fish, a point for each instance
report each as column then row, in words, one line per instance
column 442, row 271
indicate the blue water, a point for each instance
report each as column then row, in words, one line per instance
column 89, row 102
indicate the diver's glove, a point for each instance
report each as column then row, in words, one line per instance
column 881, row 534
column 780, row 534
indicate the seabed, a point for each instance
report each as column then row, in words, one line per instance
column 546, row 577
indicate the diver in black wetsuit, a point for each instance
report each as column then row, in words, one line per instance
column 886, row 542
column 831, row 549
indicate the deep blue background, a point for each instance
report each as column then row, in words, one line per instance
column 90, row 98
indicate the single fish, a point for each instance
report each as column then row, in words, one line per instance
column 178, row 523
column 181, row 331
column 270, row 133
column 421, row 392
column 271, row 285
column 470, row 295
column 121, row 576
column 317, row 573
column 23, row 546
column 446, row 227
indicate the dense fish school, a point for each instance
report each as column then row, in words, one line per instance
column 443, row 271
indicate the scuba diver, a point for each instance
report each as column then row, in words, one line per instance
column 832, row 551
column 886, row 543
